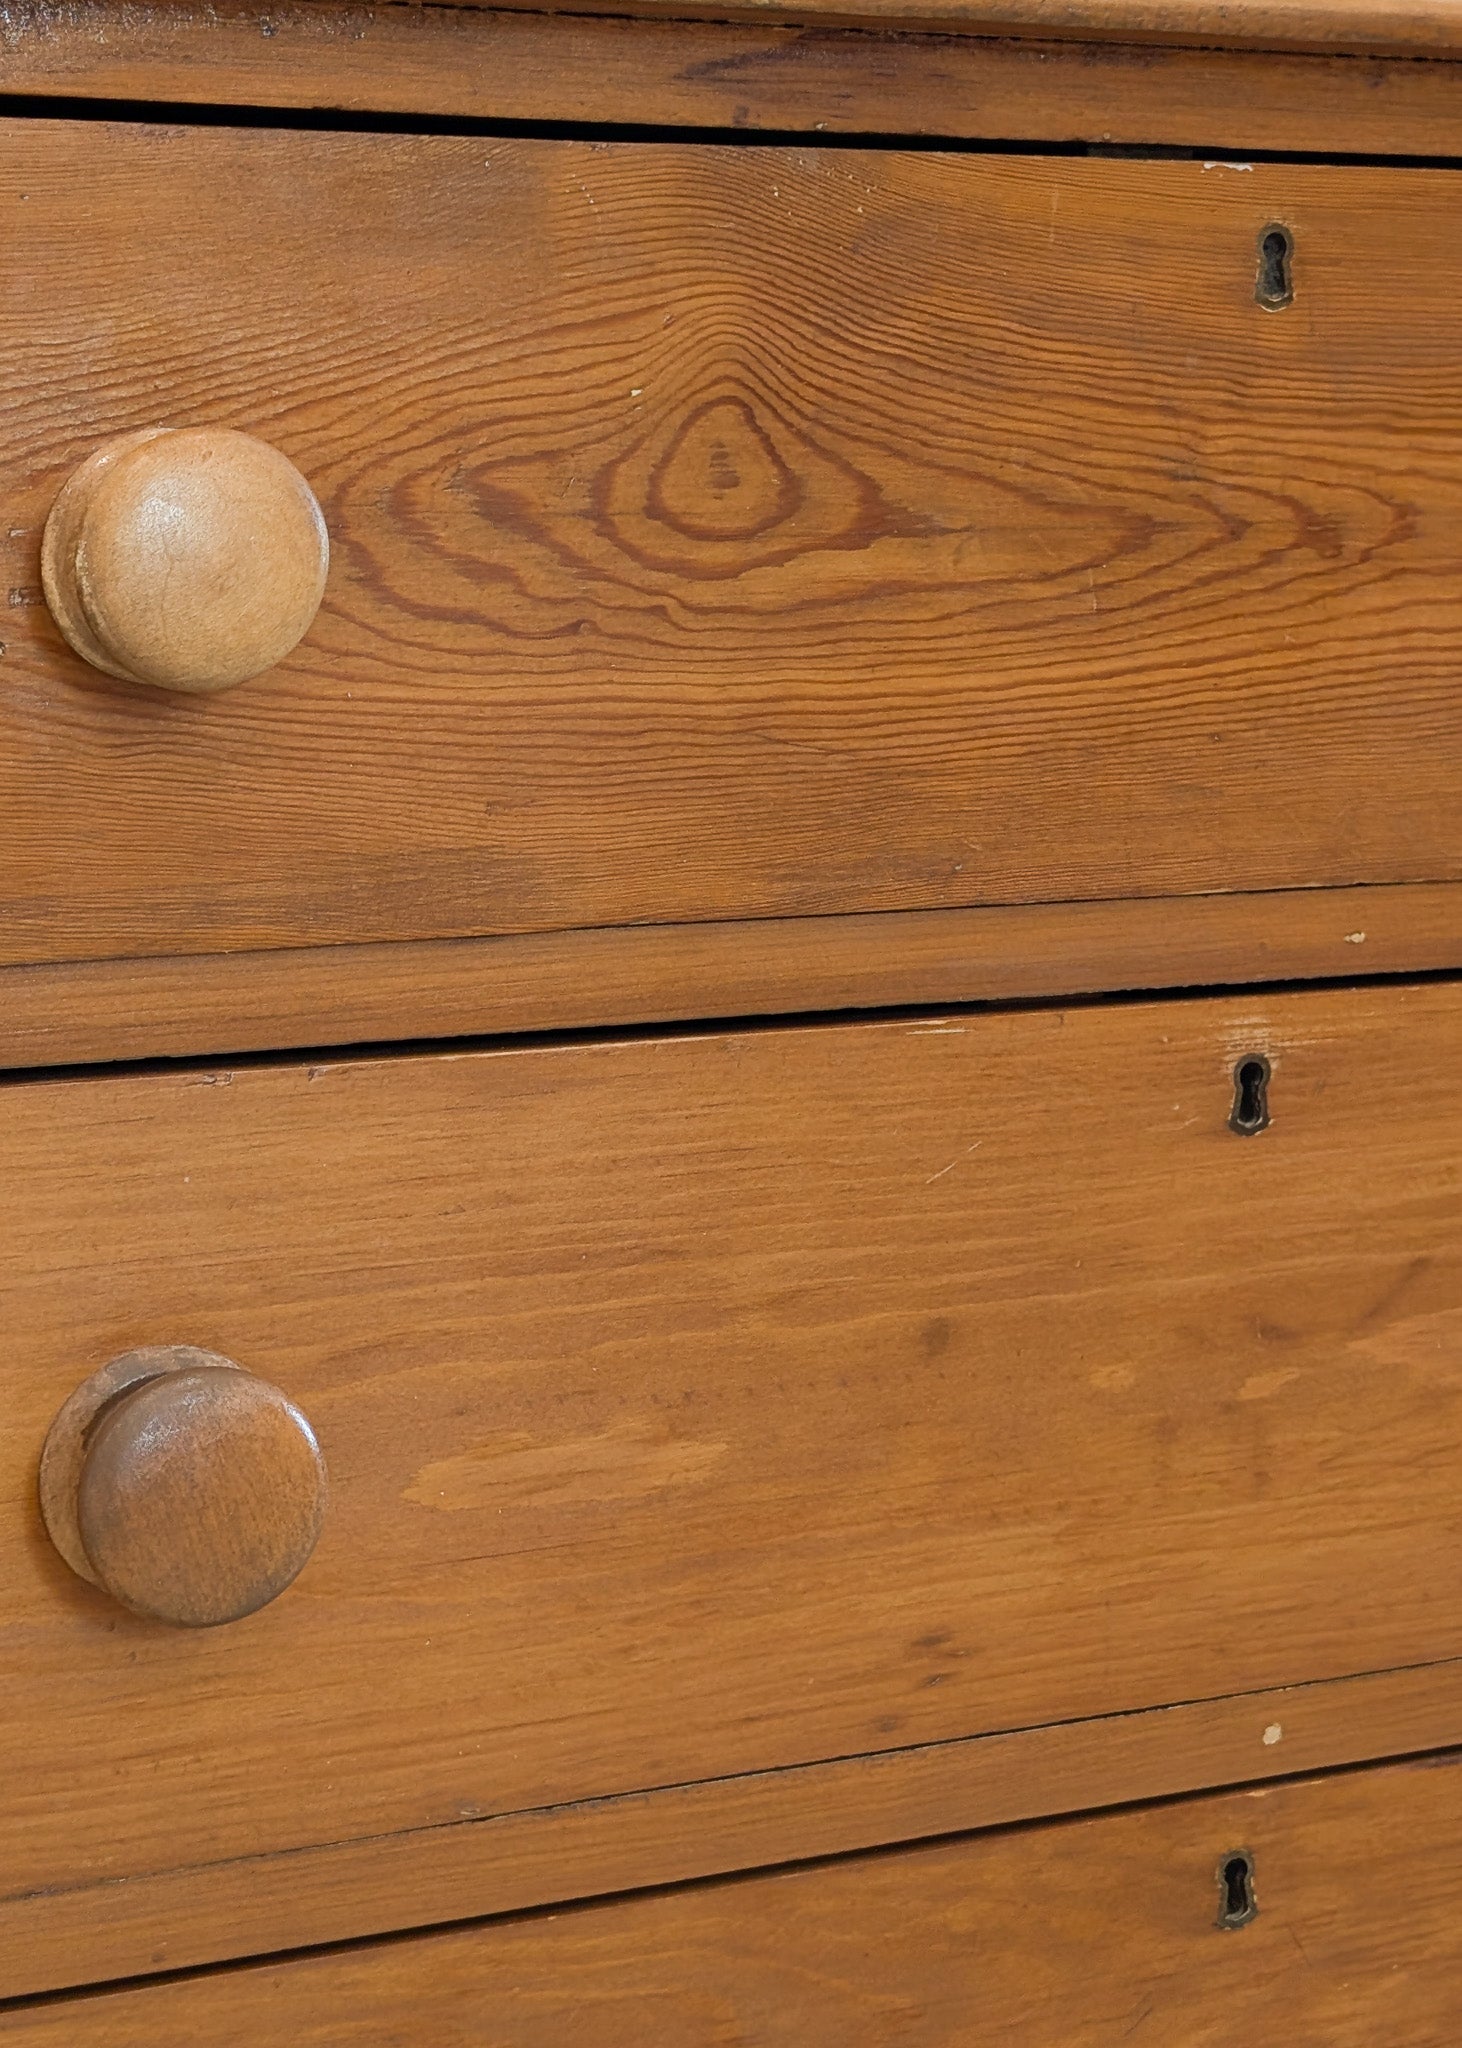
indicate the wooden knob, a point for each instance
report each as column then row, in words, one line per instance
column 190, row 558
column 185, row 1487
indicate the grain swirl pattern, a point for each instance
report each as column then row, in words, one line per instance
column 742, row 532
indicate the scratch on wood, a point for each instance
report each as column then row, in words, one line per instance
column 953, row 1163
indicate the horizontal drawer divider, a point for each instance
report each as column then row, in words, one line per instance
column 86, row 1012
column 464, row 1870
column 325, row 61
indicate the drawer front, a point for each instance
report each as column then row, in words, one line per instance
column 1083, row 1934
column 725, row 532
column 711, row 1404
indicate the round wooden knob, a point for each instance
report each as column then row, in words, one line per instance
column 190, row 558
column 185, row 1487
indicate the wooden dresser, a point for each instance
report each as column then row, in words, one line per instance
column 731, row 1007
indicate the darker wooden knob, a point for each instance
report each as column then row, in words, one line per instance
column 185, row 1487
column 189, row 558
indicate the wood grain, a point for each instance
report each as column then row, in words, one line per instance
column 1414, row 26
column 728, row 532
column 753, row 75
column 349, row 995
column 346, row 1890
column 713, row 1404
column 1087, row 1932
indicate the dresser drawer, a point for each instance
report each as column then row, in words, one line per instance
column 727, row 532
column 1321, row 1914
column 713, row 1404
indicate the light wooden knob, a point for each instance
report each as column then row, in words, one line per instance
column 182, row 1485
column 190, row 558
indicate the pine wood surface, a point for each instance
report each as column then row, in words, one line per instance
column 108, row 1010
column 1416, row 26
column 710, row 74
column 704, row 1405
column 1088, row 1933
column 348, row 1890
column 724, row 532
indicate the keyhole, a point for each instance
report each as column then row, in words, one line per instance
column 1251, row 1096
column 1236, row 1890
column 1275, row 286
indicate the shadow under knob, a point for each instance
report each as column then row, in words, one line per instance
column 185, row 1487
column 188, row 558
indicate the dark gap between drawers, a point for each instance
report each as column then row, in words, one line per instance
column 188, row 114
column 701, row 1027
